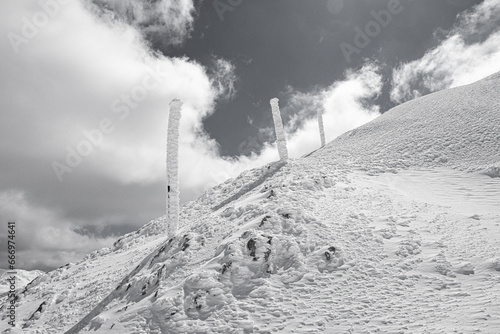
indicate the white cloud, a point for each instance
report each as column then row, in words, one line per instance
column 471, row 51
column 343, row 107
column 44, row 238
column 224, row 78
column 80, row 70
column 170, row 17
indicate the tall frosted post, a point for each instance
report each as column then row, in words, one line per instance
column 278, row 126
column 173, row 201
column 321, row 128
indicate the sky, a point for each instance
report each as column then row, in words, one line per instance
column 86, row 84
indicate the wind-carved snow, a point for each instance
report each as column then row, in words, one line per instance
column 390, row 228
column 271, row 170
column 173, row 201
column 280, row 133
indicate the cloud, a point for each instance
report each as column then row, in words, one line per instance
column 44, row 238
column 469, row 52
column 345, row 105
column 223, row 78
column 171, row 18
column 79, row 71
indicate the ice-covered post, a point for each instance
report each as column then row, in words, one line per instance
column 321, row 128
column 278, row 126
column 173, row 201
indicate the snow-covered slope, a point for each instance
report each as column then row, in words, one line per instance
column 23, row 277
column 455, row 128
column 391, row 228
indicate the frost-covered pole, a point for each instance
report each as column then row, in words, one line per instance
column 278, row 126
column 321, row 128
column 173, row 201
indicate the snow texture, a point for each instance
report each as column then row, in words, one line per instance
column 321, row 128
column 23, row 277
column 271, row 170
column 278, row 126
column 390, row 228
column 173, row 201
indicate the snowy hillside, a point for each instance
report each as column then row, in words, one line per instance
column 23, row 277
column 391, row 228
